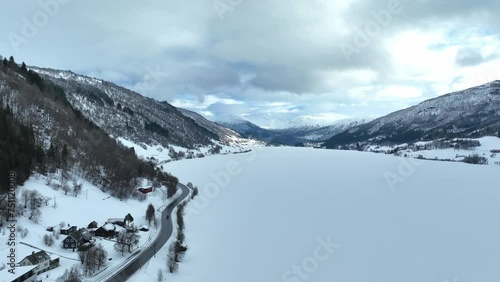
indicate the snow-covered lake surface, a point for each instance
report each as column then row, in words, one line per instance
column 297, row 214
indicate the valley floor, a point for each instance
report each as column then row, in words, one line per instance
column 299, row 214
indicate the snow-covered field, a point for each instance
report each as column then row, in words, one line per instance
column 162, row 155
column 91, row 205
column 299, row 214
column 487, row 144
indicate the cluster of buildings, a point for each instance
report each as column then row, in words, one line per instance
column 77, row 239
column 83, row 238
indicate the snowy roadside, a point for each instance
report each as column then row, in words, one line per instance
column 61, row 210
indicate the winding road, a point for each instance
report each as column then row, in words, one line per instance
column 137, row 261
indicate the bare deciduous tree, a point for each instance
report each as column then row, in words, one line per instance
column 121, row 242
column 172, row 265
column 77, row 189
column 48, row 239
column 66, row 188
column 101, row 256
column 93, row 259
column 72, row 275
column 132, row 239
column 195, row 192
column 160, row 276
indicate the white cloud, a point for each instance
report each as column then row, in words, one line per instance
column 276, row 59
column 324, row 118
column 398, row 92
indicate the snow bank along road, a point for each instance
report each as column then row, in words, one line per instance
column 137, row 261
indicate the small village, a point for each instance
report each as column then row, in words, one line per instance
column 113, row 237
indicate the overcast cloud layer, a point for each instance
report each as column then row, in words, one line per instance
column 272, row 62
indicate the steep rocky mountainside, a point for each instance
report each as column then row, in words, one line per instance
column 124, row 113
column 471, row 113
column 222, row 132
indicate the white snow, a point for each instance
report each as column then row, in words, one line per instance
column 79, row 211
column 488, row 144
column 161, row 154
column 260, row 214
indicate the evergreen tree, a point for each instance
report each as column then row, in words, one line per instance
column 150, row 213
column 64, row 154
column 12, row 62
column 18, row 151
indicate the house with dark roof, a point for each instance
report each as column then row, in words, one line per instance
column 77, row 239
column 41, row 260
column 67, row 230
column 93, row 224
column 107, row 230
column 117, row 221
column 122, row 221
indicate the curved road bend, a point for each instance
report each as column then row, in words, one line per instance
column 161, row 239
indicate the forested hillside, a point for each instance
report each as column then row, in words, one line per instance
column 18, row 151
column 55, row 137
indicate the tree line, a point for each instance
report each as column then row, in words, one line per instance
column 18, row 150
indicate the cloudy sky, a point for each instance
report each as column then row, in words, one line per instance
column 273, row 62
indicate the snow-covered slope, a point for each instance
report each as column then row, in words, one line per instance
column 159, row 155
column 224, row 133
column 474, row 112
column 127, row 114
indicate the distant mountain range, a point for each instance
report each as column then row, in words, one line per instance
column 471, row 113
column 293, row 136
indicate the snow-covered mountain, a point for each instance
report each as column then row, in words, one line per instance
column 224, row 133
column 127, row 114
column 317, row 133
column 70, row 137
column 282, row 120
column 471, row 113
column 248, row 129
column 292, row 135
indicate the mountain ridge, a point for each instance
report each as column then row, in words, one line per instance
column 125, row 113
column 294, row 136
column 470, row 113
